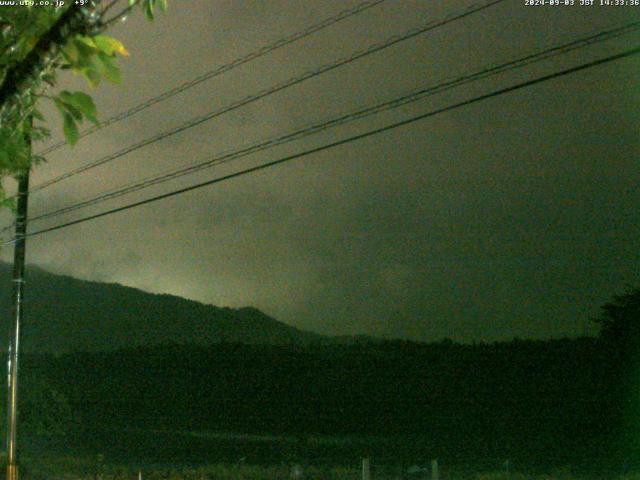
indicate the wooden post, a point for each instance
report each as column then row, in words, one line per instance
column 366, row 469
column 435, row 474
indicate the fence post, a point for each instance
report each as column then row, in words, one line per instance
column 366, row 468
column 435, row 474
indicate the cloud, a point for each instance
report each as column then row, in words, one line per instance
column 512, row 217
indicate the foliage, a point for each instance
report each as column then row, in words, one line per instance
column 539, row 404
column 44, row 410
column 620, row 319
column 620, row 338
column 37, row 42
column 20, row 30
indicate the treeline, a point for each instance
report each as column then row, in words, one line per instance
column 539, row 402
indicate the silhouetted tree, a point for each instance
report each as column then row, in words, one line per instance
column 619, row 372
column 44, row 410
column 620, row 320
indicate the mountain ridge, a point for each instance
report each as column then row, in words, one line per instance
column 64, row 313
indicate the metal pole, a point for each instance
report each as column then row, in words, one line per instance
column 18, row 298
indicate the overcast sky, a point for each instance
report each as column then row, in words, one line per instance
column 516, row 216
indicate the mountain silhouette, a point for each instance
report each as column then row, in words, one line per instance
column 64, row 314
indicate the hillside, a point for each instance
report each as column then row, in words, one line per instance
column 64, row 314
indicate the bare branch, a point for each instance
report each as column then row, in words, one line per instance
column 108, row 7
column 123, row 13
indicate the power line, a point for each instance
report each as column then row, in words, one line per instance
column 346, row 118
column 270, row 91
column 396, row 102
column 495, row 93
column 283, row 42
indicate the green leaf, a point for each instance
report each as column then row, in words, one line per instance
column 60, row 106
column 147, row 8
column 92, row 76
column 70, row 52
column 109, row 45
column 85, row 54
column 75, row 113
column 38, row 159
column 37, row 115
column 66, row 108
column 49, row 79
column 163, row 5
column 88, row 41
column 108, row 68
column 82, row 102
column 4, row 159
column 9, row 203
column 70, row 129
column 39, row 133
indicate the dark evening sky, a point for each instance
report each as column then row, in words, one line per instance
column 516, row 216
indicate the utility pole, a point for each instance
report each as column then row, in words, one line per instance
column 14, row 343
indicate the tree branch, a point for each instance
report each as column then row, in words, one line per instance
column 22, row 75
column 108, row 7
column 123, row 13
